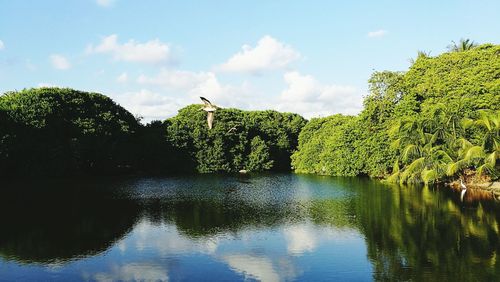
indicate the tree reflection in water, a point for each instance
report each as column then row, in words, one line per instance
column 409, row 232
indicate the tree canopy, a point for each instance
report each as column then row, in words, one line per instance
column 250, row 140
column 54, row 132
column 436, row 121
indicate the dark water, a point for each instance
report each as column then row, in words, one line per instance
column 227, row 228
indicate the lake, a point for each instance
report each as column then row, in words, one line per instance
column 268, row 227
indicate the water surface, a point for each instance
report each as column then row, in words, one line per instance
column 270, row 227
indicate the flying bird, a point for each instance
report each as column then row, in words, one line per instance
column 210, row 109
column 234, row 128
column 464, row 189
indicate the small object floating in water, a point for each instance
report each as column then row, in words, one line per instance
column 243, row 171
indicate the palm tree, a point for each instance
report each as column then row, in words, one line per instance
column 483, row 157
column 462, row 45
column 424, row 157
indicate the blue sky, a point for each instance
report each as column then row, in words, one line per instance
column 154, row 57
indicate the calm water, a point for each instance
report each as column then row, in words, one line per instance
column 275, row 227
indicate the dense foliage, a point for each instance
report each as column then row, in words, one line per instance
column 439, row 120
column 249, row 140
column 53, row 132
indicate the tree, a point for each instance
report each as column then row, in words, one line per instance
column 421, row 113
column 462, row 45
column 255, row 140
column 259, row 158
column 55, row 131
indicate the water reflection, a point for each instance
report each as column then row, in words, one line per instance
column 265, row 227
column 416, row 233
column 53, row 222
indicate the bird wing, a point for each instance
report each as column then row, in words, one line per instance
column 205, row 101
column 210, row 119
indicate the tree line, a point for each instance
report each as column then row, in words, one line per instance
column 438, row 121
column 56, row 132
column 435, row 122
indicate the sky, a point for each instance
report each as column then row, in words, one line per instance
column 155, row 57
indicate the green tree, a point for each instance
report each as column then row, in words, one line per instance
column 259, row 158
column 462, row 45
column 55, row 131
column 232, row 144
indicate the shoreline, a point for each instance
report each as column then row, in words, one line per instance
column 480, row 190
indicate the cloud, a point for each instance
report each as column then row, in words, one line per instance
column 303, row 94
column 122, row 78
column 105, row 3
column 268, row 54
column 163, row 94
column 177, row 79
column 300, row 239
column 150, row 105
column 191, row 85
column 2, row 46
column 260, row 268
column 167, row 240
column 307, row 96
column 377, row 33
column 151, row 52
column 59, row 62
column 132, row 272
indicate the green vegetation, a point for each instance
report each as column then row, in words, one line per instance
column 50, row 131
column 55, row 132
column 251, row 140
column 439, row 120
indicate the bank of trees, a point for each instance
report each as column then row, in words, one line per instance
column 55, row 132
column 51, row 131
column 437, row 121
column 249, row 140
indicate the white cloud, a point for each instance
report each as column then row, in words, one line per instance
column 191, row 85
column 269, row 53
column 176, row 79
column 2, row 46
column 260, row 268
column 150, row 105
column 133, row 272
column 105, row 3
column 300, row 239
column 152, row 52
column 167, row 240
column 59, row 62
column 122, row 78
column 303, row 94
column 377, row 33
column 307, row 96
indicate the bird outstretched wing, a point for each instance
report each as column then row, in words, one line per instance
column 210, row 119
column 205, row 101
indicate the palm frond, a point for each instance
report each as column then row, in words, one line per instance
column 410, row 151
column 473, row 153
column 429, row 175
column 454, row 168
column 485, row 169
column 414, row 168
column 491, row 159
